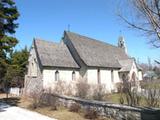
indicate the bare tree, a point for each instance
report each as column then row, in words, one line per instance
column 156, row 61
column 129, row 92
column 145, row 18
column 152, row 97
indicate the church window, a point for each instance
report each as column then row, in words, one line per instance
column 112, row 76
column 98, row 76
column 73, row 75
column 56, row 75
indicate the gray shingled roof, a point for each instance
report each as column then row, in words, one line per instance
column 52, row 54
column 139, row 67
column 96, row 53
column 126, row 65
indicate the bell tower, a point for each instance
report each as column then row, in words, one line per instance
column 121, row 43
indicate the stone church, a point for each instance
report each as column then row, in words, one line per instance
column 78, row 57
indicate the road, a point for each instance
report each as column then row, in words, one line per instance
column 8, row 112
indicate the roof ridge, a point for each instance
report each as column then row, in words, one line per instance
column 47, row 41
column 93, row 39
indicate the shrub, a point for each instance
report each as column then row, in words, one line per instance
column 35, row 96
column 129, row 89
column 99, row 92
column 63, row 88
column 60, row 87
column 47, row 99
column 152, row 92
column 70, row 89
column 152, row 98
column 74, row 107
column 132, row 97
column 82, row 89
column 90, row 113
column 40, row 99
column 119, row 87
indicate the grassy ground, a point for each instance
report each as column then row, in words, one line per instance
column 115, row 98
column 153, row 84
column 61, row 113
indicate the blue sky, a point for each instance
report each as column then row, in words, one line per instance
column 47, row 19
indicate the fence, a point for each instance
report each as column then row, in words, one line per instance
column 15, row 91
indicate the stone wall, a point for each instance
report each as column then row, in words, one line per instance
column 117, row 111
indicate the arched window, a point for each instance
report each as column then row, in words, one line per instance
column 73, row 75
column 56, row 75
column 112, row 76
column 98, row 76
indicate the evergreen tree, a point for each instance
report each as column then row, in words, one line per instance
column 8, row 15
column 17, row 68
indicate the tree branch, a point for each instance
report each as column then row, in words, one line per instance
column 134, row 26
column 158, row 62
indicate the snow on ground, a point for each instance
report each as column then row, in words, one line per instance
column 15, row 113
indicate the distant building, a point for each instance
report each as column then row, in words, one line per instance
column 150, row 75
column 77, row 57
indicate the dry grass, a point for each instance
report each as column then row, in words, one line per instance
column 64, row 114
column 60, row 114
column 24, row 103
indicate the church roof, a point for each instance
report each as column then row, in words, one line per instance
column 126, row 65
column 53, row 54
column 96, row 53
